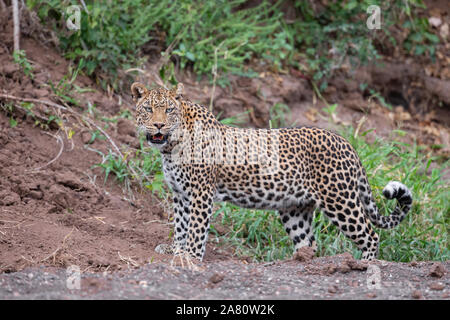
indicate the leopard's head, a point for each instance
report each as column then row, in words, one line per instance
column 158, row 112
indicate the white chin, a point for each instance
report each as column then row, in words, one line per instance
column 156, row 145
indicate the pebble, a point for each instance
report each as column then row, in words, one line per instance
column 416, row 294
column 333, row 289
column 216, row 278
column 437, row 270
column 437, row 286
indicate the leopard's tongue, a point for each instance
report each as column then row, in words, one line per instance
column 158, row 137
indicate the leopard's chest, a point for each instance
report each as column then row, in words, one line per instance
column 175, row 177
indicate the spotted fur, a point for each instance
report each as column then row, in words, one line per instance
column 313, row 169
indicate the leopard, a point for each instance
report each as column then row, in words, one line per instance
column 294, row 171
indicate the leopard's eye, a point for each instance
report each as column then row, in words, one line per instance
column 148, row 109
column 169, row 110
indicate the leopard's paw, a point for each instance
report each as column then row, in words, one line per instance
column 184, row 260
column 164, row 248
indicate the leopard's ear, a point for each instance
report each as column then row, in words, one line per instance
column 138, row 90
column 178, row 90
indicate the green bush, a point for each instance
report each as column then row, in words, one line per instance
column 110, row 35
column 220, row 37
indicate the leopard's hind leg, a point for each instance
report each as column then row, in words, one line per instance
column 297, row 222
column 351, row 220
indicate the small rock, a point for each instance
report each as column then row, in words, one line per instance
column 437, row 270
column 416, row 294
column 371, row 295
column 357, row 265
column 86, row 137
column 304, row 254
column 330, row 269
column 216, row 278
column 70, row 180
column 413, row 264
column 344, row 267
column 437, row 286
column 36, row 194
column 333, row 289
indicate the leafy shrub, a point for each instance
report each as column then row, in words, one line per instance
column 110, row 35
column 221, row 37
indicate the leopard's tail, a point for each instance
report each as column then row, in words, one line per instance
column 393, row 190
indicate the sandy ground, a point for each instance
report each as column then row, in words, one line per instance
column 338, row 277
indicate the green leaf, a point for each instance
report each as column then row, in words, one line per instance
column 190, row 56
column 12, row 122
column 419, row 50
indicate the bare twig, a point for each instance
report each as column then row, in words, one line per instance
column 15, row 5
column 53, row 254
column 214, row 72
column 3, row 5
column 60, row 141
column 128, row 260
column 360, row 123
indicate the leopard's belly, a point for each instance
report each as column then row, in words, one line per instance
column 261, row 192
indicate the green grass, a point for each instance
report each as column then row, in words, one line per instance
column 20, row 58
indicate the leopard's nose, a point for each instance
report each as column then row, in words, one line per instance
column 159, row 125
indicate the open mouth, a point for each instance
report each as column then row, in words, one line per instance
column 158, row 138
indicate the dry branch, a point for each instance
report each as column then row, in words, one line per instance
column 60, row 141
column 16, row 21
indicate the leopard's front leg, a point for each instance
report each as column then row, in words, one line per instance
column 181, row 221
column 201, row 197
column 197, row 229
